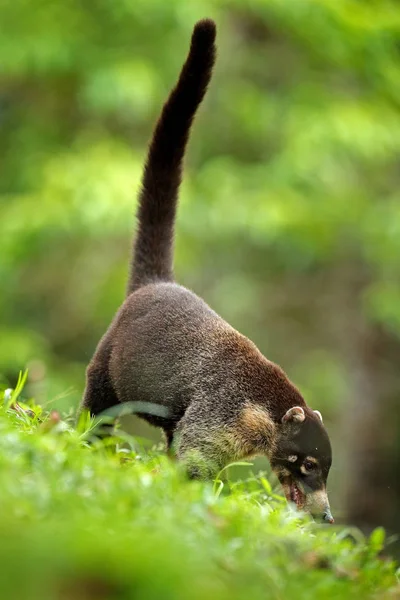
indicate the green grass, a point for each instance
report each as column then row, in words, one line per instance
column 111, row 520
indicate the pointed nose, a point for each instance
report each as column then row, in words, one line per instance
column 318, row 505
column 328, row 517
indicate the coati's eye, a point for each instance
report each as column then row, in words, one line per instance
column 309, row 466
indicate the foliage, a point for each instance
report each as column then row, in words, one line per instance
column 88, row 518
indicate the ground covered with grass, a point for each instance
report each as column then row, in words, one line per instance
column 83, row 518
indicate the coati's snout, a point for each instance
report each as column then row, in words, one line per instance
column 301, row 459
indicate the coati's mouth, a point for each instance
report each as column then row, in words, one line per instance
column 296, row 495
column 293, row 492
column 314, row 502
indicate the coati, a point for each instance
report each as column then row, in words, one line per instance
column 222, row 399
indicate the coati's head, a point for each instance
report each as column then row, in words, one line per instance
column 301, row 459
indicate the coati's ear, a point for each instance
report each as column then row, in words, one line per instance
column 296, row 413
column 318, row 415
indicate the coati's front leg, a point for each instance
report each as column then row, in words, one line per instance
column 207, row 439
column 202, row 452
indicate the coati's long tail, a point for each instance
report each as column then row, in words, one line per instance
column 153, row 248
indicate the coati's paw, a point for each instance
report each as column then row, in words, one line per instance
column 197, row 466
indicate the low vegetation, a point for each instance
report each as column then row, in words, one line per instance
column 84, row 517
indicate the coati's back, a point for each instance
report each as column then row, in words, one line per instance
column 168, row 347
column 171, row 348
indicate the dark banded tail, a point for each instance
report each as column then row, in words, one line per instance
column 153, row 247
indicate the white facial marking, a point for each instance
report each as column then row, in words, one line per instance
column 292, row 458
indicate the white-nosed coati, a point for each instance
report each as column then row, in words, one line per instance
column 222, row 399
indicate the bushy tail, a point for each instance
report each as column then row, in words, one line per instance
column 153, row 248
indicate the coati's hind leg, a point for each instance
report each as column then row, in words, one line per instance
column 169, row 441
column 99, row 393
column 206, row 442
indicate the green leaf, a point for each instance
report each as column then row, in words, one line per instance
column 13, row 397
column 377, row 539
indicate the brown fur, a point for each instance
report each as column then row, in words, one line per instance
column 257, row 429
column 209, row 388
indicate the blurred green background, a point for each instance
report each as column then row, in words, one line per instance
column 289, row 223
